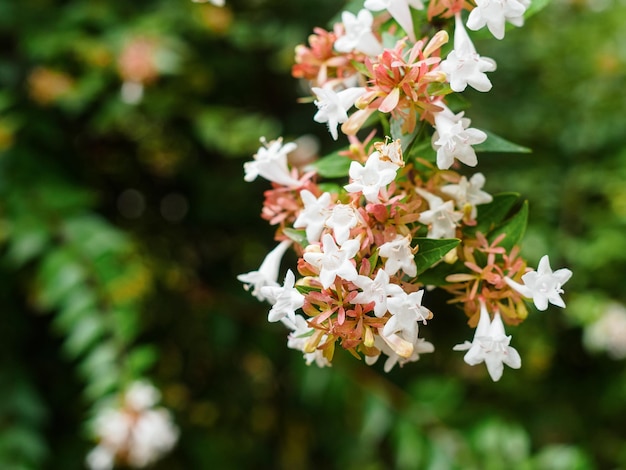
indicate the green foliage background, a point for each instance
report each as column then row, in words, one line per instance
column 123, row 228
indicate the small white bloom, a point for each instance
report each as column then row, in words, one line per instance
column 407, row 311
column 267, row 274
column 334, row 261
column 358, row 35
column 217, row 3
column 399, row 256
column 100, row 458
column 153, row 435
column 441, row 217
column 342, row 219
column 454, row 138
column 285, row 300
column 608, row 333
column 543, row 285
column 376, row 290
column 468, row 193
column 463, row 66
column 399, row 10
column 371, row 177
column 494, row 14
column 141, row 395
column 333, row 106
column 314, row 214
column 491, row 346
column 270, row 162
column 298, row 338
column 390, row 153
column 386, row 345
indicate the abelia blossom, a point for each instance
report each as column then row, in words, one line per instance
column 376, row 290
column 267, row 274
column 270, row 162
column 463, row 66
column 285, row 300
column 334, row 261
column 314, row 214
column 494, row 14
column 543, row 285
column 399, row 11
column 399, row 256
column 299, row 340
column 441, row 218
column 370, row 178
column 341, row 220
column 491, row 346
column 384, row 344
column 468, row 193
column 333, row 106
column 454, row 138
column 358, row 35
column 407, row 311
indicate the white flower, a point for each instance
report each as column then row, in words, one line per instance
column 267, row 274
column 491, row 346
column 341, row 220
column 100, row 458
column 463, row 66
column 334, row 261
column 387, row 344
column 441, row 217
column 217, row 3
column 494, row 13
column 358, row 35
column 285, row 300
column 371, row 177
column 375, row 290
column 141, row 395
column 270, row 162
column 390, row 153
column 407, row 311
column 454, row 139
column 399, row 10
column 399, row 255
column 468, row 193
column 333, row 106
column 299, row 337
column 314, row 215
column 153, row 435
column 543, row 285
column 608, row 332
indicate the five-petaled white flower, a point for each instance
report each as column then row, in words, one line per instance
column 399, row 256
column 491, row 346
column 407, row 311
column 334, row 261
column 371, row 177
column 376, row 290
column 314, row 214
column 342, row 218
column 441, row 217
column 270, row 162
column 333, row 106
column 285, row 300
column 468, row 193
column 399, row 10
column 543, row 285
column 454, row 138
column 267, row 274
column 464, row 66
column 494, row 13
column 358, row 35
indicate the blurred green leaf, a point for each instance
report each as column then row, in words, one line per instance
column 514, row 228
column 495, row 143
column 431, row 251
column 333, row 165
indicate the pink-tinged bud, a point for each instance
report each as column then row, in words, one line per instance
column 434, row 76
column 400, row 346
column 368, row 337
column 356, row 121
column 436, row 42
column 311, row 345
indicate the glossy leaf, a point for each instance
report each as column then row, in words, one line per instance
column 431, row 251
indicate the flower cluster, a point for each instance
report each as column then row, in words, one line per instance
column 406, row 219
column 133, row 434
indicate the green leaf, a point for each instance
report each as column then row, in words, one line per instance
column 536, row 6
column 495, row 143
column 333, row 166
column 141, row 359
column 514, row 228
column 432, row 250
column 298, row 236
column 436, row 276
column 83, row 334
column 492, row 214
column 396, row 133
